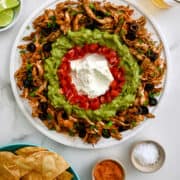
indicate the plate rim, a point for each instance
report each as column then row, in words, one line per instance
column 83, row 145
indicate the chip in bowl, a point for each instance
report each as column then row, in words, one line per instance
column 33, row 163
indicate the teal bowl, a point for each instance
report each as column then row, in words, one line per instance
column 14, row 147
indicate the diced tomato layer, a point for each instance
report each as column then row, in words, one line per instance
column 95, row 104
column 93, row 48
column 70, row 54
column 69, row 89
column 114, row 93
column 84, row 105
column 102, row 99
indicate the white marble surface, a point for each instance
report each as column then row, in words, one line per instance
column 164, row 128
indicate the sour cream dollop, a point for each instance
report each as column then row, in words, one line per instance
column 91, row 75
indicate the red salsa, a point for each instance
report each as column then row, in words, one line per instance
column 108, row 170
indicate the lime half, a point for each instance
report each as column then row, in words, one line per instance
column 6, row 17
column 7, row 4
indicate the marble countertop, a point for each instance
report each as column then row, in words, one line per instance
column 164, row 128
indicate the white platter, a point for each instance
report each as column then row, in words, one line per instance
column 26, row 109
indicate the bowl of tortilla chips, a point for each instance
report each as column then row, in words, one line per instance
column 27, row 162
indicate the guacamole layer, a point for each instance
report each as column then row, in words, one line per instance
column 86, row 36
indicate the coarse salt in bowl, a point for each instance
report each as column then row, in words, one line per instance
column 147, row 156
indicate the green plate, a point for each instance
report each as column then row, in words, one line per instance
column 14, row 147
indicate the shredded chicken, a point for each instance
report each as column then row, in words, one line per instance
column 75, row 15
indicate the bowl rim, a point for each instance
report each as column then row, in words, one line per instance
column 21, row 145
column 159, row 146
column 14, row 21
column 114, row 159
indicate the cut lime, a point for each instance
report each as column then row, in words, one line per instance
column 7, row 4
column 6, row 17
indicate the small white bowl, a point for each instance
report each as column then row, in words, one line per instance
column 17, row 14
column 110, row 159
column 149, row 168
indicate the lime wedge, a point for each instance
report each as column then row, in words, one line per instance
column 6, row 17
column 7, row 4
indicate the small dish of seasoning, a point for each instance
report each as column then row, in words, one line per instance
column 108, row 169
column 147, row 156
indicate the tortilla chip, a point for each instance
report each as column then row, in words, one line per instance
column 23, row 165
column 9, row 173
column 29, row 150
column 13, row 164
column 65, row 176
column 49, row 164
column 32, row 176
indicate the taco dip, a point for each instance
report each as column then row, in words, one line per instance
column 90, row 69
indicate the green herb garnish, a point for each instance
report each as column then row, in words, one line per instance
column 146, row 103
column 53, row 18
column 109, row 124
column 52, row 23
column 22, row 51
column 71, row 133
column 92, row 127
column 29, row 67
column 107, row 14
column 33, row 92
column 152, row 94
column 49, row 24
column 49, row 116
column 140, row 51
column 91, row 5
column 133, row 123
column 123, row 32
column 121, row 12
column 140, row 41
column 121, row 21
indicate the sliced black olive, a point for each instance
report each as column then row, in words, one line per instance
column 152, row 55
column 29, row 73
column 92, row 25
column 133, row 27
column 139, row 62
column 153, row 101
column 47, row 47
column 80, row 126
column 27, row 83
column 55, row 27
column 46, row 31
column 65, row 115
column 43, row 106
column 132, row 30
column 149, row 87
column 43, row 116
column 143, row 110
column 45, row 93
column 131, row 36
column 31, row 47
column 106, row 133
column 100, row 14
column 82, row 133
column 122, row 128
